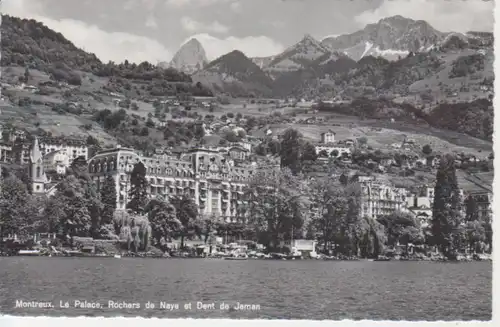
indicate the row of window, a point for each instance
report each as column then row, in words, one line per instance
column 151, row 161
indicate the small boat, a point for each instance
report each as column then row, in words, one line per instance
column 382, row 258
column 29, row 252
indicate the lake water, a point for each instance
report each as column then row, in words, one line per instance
column 281, row 289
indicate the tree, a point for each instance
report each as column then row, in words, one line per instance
column 92, row 202
column 186, row 213
column 426, row 149
column 207, row 228
column 369, row 237
column 401, row 228
column 138, row 188
column 362, row 141
column 231, row 135
column 53, row 213
column 79, row 166
column 18, row 210
column 329, row 207
column 75, row 217
column 108, row 199
column 476, row 234
column 334, row 153
column 446, row 208
column 274, row 147
column 26, row 74
column 163, row 220
column 242, row 133
column 308, row 152
column 471, row 211
column 290, row 152
column 277, row 205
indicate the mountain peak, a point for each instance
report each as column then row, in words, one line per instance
column 236, row 53
column 193, row 43
column 236, row 72
column 190, row 57
column 396, row 18
column 308, row 37
column 309, row 40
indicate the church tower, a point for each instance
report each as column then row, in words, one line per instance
column 37, row 173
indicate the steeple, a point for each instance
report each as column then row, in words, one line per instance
column 36, row 154
column 37, row 172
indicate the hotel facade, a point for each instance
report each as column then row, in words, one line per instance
column 379, row 198
column 211, row 179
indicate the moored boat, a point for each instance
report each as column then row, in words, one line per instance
column 29, row 252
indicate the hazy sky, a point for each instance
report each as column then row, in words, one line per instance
column 153, row 30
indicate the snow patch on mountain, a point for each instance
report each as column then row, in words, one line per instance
column 390, row 37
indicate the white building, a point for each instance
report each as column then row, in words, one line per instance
column 331, row 148
column 328, row 137
column 302, row 246
column 72, row 148
column 380, row 198
column 205, row 175
column 57, row 161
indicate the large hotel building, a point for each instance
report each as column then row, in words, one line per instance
column 213, row 180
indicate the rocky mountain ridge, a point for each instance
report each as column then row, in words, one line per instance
column 190, row 58
column 390, row 36
column 301, row 55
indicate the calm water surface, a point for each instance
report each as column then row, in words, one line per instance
column 283, row 289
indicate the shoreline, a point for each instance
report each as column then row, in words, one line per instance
column 84, row 256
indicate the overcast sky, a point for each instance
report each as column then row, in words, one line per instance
column 153, row 30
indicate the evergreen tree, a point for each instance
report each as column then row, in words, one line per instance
column 26, row 74
column 290, row 152
column 138, row 190
column 108, row 199
column 446, row 209
column 471, row 213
